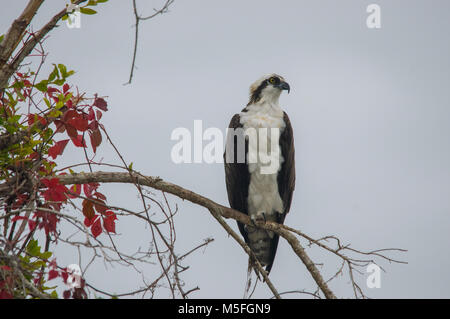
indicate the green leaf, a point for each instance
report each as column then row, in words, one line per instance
column 1, row 37
column 42, row 86
column 54, row 74
column 47, row 288
column 38, row 263
column 47, row 102
column 46, row 255
column 18, row 85
column 67, row 97
column 87, row 11
column 59, row 82
column 12, row 101
column 55, row 113
column 33, row 248
column 63, row 70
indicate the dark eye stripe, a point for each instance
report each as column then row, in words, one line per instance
column 256, row 95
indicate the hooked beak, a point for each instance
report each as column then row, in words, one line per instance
column 284, row 86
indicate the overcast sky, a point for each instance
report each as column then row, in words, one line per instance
column 370, row 109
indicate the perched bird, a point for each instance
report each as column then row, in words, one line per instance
column 256, row 187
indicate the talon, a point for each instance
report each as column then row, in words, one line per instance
column 264, row 216
column 259, row 218
column 250, row 229
column 254, row 220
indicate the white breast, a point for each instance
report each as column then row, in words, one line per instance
column 263, row 193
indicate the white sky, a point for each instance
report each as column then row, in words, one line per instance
column 369, row 108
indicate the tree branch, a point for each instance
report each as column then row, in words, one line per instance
column 213, row 207
column 137, row 19
column 8, row 69
column 17, row 30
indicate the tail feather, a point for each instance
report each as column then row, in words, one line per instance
column 260, row 242
column 248, row 284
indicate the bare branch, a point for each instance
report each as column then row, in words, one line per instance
column 16, row 31
column 138, row 18
column 213, row 207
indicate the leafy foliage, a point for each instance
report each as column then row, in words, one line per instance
column 39, row 120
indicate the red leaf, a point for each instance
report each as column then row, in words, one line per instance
column 50, row 182
column 51, row 90
column 69, row 114
column 65, row 88
column 100, row 195
column 64, row 275
column 31, row 224
column 47, row 220
column 80, row 123
column 93, row 125
column 88, row 209
column 5, row 295
column 33, row 117
column 89, row 188
column 79, row 141
column 67, row 294
column 16, row 218
column 99, row 114
column 109, row 221
column 110, row 225
column 57, row 149
column 100, row 206
column 34, row 155
column 55, row 192
column 52, row 264
column 96, row 139
column 96, row 228
column 71, row 131
column 52, row 274
column 91, row 115
column 76, row 189
column 89, row 221
column 4, row 267
column 101, row 104
column 60, row 128
column 30, row 119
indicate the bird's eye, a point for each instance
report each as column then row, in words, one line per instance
column 272, row 80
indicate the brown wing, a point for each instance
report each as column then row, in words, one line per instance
column 285, row 179
column 237, row 176
column 286, row 176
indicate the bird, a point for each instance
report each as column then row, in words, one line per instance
column 261, row 191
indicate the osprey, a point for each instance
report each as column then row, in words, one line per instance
column 256, row 186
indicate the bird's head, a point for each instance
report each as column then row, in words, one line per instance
column 268, row 89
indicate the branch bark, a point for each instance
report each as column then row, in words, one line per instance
column 213, row 207
column 17, row 30
column 15, row 35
